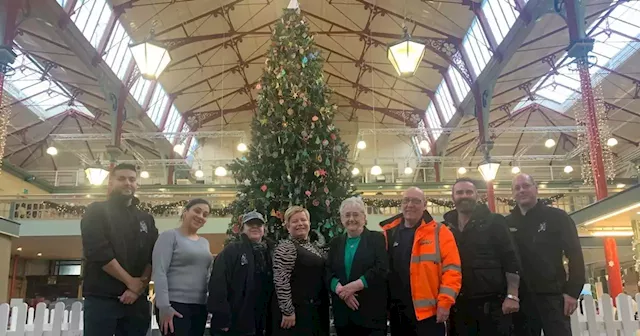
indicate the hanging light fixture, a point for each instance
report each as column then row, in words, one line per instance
column 568, row 169
column 406, row 55
column 144, row 174
column 96, row 175
column 355, row 171
column 242, row 147
column 150, row 57
column 220, row 171
column 361, row 144
column 52, row 151
column 489, row 169
column 376, row 170
column 612, row 142
column 549, row 143
column 424, row 144
column 179, row 148
column 199, row 173
column 515, row 170
column 408, row 170
column 462, row 170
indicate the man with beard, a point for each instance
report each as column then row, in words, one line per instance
column 117, row 242
column 490, row 266
column 543, row 236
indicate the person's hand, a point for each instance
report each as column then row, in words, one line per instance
column 442, row 315
column 166, row 325
column 339, row 289
column 570, row 304
column 352, row 302
column 288, row 322
column 128, row 297
column 350, row 289
column 510, row 306
column 225, row 329
column 136, row 285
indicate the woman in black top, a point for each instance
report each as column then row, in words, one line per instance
column 302, row 305
column 357, row 269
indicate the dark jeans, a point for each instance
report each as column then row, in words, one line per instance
column 403, row 323
column 356, row 330
column 541, row 312
column 109, row 317
column 192, row 323
column 479, row 317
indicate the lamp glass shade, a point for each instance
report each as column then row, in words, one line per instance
column 199, row 173
column 376, row 170
column 405, row 56
column 220, row 171
column 96, row 175
column 408, row 170
column 151, row 59
column 489, row 170
column 355, row 171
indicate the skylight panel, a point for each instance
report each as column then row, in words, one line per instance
column 173, row 122
column 433, row 121
column 92, row 17
column 445, row 102
column 460, row 86
column 477, row 48
column 117, row 54
column 557, row 94
column 501, row 15
column 140, row 89
column 158, row 105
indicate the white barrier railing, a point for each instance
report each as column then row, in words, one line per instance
column 21, row 320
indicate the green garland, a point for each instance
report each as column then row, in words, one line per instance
column 167, row 208
column 394, row 203
column 156, row 210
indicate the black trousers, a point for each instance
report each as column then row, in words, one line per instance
column 109, row 317
column 403, row 323
column 356, row 330
column 192, row 323
column 541, row 313
column 479, row 317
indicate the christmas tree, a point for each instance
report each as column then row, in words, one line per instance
column 296, row 156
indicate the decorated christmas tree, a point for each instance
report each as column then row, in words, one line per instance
column 296, row 156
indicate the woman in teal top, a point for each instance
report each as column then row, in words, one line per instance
column 357, row 267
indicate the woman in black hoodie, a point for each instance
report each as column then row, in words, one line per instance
column 241, row 283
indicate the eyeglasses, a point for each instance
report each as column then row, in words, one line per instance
column 354, row 215
column 415, row 201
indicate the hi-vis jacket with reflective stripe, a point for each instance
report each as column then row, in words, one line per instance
column 435, row 273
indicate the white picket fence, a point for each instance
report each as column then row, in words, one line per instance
column 21, row 320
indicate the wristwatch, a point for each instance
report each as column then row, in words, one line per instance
column 513, row 297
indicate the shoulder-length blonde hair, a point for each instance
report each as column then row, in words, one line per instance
column 296, row 209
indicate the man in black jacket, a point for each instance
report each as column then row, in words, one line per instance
column 241, row 283
column 117, row 241
column 543, row 235
column 490, row 266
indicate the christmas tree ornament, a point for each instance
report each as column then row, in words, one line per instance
column 314, row 118
column 290, row 111
column 281, row 101
column 325, row 142
column 263, row 188
column 308, row 193
column 247, row 182
column 258, row 86
column 327, row 202
column 326, row 190
column 318, row 140
column 319, row 158
column 315, row 202
column 333, row 136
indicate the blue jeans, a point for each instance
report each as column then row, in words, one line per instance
column 108, row 317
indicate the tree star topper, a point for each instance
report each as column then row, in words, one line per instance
column 293, row 4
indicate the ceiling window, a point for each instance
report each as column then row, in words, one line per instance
column 501, row 15
column 140, row 89
column 173, row 122
column 477, row 48
column 445, row 102
column 45, row 97
column 460, row 86
column 91, row 17
column 433, row 122
column 609, row 50
column 158, row 105
column 117, row 54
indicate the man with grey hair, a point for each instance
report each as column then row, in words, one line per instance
column 425, row 275
column 543, row 236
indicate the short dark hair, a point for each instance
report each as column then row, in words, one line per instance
column 123, row 166
column 464, row 179
column 195, row 202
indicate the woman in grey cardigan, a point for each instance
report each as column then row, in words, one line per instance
column 181, row 267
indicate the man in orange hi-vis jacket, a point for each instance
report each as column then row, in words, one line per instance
column 425, row 275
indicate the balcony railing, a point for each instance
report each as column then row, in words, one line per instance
column 28, row 209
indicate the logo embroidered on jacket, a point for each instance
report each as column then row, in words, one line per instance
column 513, row 229
column 243, row 260
column 395, row 244
column 143, row 227
column 542, row 227
column 425, row 242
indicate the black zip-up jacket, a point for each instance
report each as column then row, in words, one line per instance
column 234, row 301
column 111, row 230
column 543, row 236
column 486, row 252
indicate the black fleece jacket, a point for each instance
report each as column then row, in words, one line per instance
column 543, row 236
